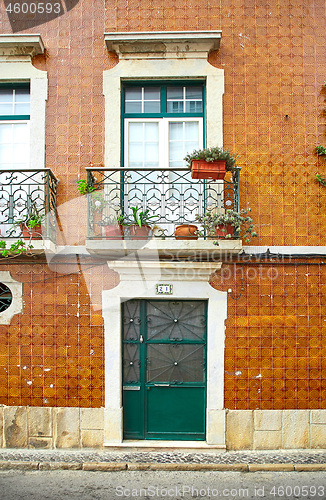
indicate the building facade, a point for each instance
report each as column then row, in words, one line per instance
column 112, row 338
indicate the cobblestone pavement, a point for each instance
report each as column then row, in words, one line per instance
column 212, row 457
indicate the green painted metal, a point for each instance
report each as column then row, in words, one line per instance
column 14, row 117
column 164, row 369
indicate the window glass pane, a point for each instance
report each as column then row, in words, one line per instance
column 6, row 95
column 6, row 109
column 183, row 139
column 5, row 153
column 191, row 131
column 175, row 93
column 194, row 106
column 22, row 109
column 176, row 131
column 151, row 131
column 22, row 95
column 152, row 93
column 151, row 153
column 135, row 131
column 134, row 94
column 14, row 148
column 20, row 132
column 5, row 132
column 176, row 154
column 133, row 107
column 152, row 107
column 143, row 147
column 175, row 106
column 194, row 93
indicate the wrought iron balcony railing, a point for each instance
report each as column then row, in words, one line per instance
column 23, row 192
column 169, row 195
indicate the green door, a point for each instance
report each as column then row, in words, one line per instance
column 164, row 369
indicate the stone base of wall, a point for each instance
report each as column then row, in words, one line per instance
column 275, row 429
column 37, row 427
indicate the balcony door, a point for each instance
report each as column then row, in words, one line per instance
column 162, row 123
column 164, row 369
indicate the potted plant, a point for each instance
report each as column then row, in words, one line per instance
column 30, row 224
column 210, row 163
column 140, row 227
column 186, row 232
column 115, row 231
column 321, row 150
column 229, row 224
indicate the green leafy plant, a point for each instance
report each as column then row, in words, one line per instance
column 121, row 220
column 83, row 187
column 142, row 218
column 33, row 218
column 320, row 150
column 15, row 249
column 322, row 180
column 242, row 223
column 213, row 154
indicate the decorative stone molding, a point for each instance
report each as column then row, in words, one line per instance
column 163, row 44
column 16, row 305
column 142, row 270
column 15, row 46
column 143, row 286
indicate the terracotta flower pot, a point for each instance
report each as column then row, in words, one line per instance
column 223, row 230
column 139, row 232
column 201, row 169
column 31, row 233
column 186, row 232
column 114, row 232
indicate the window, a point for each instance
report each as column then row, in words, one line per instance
column 14, row 126
column 162, row 123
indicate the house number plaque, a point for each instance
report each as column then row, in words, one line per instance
column 162, row 289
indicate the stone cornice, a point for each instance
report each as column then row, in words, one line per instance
column 21, row 45
column 163, row 44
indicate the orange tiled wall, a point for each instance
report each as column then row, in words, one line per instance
column 52, row 354
column 274, row 59
column 275, row 356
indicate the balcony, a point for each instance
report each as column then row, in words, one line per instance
column 172, row 197
column 23, row 191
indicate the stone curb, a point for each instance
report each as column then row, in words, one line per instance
column 271, row 467
column 116, row 466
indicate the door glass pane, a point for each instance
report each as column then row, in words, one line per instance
column 14, row 146
column 176, row 320
column 175, row 363
column 131, row 363
column 143, row 147
column 131, row 320
column 183, row 139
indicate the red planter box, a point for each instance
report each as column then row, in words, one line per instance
column 201, row 169
column 223, row 230
column 34, row 233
